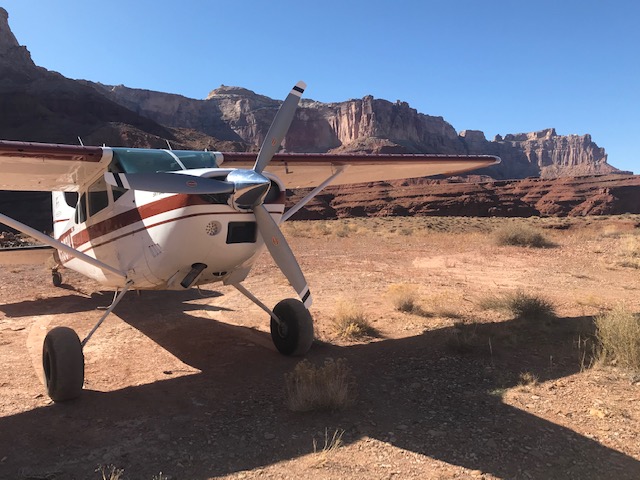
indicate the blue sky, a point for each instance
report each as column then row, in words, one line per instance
column 496, row 66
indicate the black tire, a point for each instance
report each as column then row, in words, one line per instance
column 296, row 334
column 63, row 364
column 56, row 277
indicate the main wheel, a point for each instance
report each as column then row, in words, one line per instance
column 295, row 335
column 63, row 364
column 56, row 277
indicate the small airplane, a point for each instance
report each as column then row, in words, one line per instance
column 147, row 219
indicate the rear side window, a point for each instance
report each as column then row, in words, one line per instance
column 81, row 210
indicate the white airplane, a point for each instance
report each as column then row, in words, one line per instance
column 147, row 219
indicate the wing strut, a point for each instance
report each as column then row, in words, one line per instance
column 311, row 195
column 47, row 240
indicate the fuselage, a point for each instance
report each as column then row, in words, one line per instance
column 158, row 238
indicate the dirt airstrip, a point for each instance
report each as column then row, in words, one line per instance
column 189, row 386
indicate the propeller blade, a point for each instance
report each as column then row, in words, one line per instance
column 279, row 127
column 281, row 253
column 168, row 183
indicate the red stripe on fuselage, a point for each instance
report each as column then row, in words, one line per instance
column 134, row 215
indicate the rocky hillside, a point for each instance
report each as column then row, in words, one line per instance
column 364, row 125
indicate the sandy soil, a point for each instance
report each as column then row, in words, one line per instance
column 185, row 386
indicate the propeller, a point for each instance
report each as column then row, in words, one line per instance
column 248, row 189
column 168, row 183
column 269, row 230
column 279, row 127
column 281, row 253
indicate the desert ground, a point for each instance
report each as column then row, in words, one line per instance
column 187, row 385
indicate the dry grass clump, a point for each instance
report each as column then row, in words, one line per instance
column 110, row 472
column 442, row 305
column 630, row 252
column 404, row 297
column 331, row 445
column 618, row 332
column 329, row 387
column 521, row 305
column 522, row 236
column 527, row 380
column 350, row 322
column 341, row 229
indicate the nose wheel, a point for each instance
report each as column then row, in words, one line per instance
column 293, row 335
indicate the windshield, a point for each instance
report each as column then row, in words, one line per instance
column 144, row 160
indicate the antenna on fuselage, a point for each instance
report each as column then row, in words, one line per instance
column 80, row 140
column 168, row 144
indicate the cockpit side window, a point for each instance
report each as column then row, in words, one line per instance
column 116, row 167
column 71, row 198
column 98, row 196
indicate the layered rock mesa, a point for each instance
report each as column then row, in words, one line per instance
column 567, row 196
column 365, row 125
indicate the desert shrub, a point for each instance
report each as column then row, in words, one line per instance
column 618, row 333
column 463, row 338
column 404, row 297
column 351, row 323
column 522, row 236
column 526, row 379
column 630, row 252
column 329, row 387
column 530, row 307
column 520, row 305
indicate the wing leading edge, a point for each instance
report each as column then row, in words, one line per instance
column 301, row 170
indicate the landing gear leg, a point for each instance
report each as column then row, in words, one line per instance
column 63, row 360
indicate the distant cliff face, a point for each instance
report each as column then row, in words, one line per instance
column 364, row 125
column 555, row 155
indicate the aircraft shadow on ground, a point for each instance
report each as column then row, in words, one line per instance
column 423, row 394
column 78, row 302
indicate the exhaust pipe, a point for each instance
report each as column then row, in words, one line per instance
column 192, row 276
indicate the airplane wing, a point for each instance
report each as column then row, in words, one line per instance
column 48, row 167
column 301, row 170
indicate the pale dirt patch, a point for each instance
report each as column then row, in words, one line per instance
column 192, row 387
